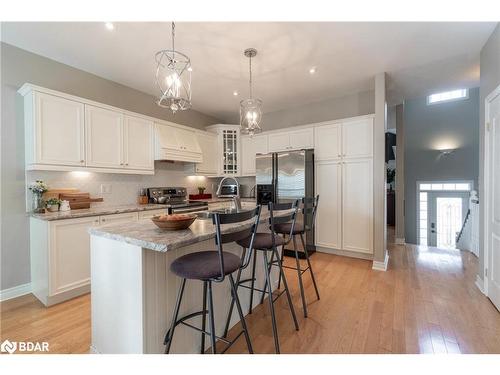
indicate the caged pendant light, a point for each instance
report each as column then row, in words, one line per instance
column 173, row 77
column 250, row 109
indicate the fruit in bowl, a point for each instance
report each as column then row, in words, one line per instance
column 174, row 221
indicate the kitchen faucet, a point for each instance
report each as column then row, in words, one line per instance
column 228, row 178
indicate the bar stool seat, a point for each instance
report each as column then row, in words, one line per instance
column 285, row 228
column 204, row 265
column 262, row 241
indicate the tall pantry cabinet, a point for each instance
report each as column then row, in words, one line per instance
column 344, row 181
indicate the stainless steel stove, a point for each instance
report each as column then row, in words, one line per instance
column 176, row 200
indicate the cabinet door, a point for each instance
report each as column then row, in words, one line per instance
column 279, row 142
column 104, row 134
column 167, row 137
column 247, row 156
column 327, row 142
column 128, row 217
column 328, row 217
column 187, row 140
column 357, row 138
column 69, row 256
column 301, row 139
column 138, row 143
column 209, row 149
column 59, row 131
column 357, row 205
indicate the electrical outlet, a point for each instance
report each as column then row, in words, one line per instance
column 105, row 188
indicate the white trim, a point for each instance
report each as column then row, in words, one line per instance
column 16, row 291
column 345, row 253
column 480, row 284
column 381, row 266
column 486, row 183
column 400, row 241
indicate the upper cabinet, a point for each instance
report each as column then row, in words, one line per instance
column 54, row 131
column 345, row 139
column 208, row 143
column 104, row 134
column 228, row 149
column 177, row 143
column 67, row 133
column 291, row 140
column 250, row 147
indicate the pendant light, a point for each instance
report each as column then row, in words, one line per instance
column 250, row 109
column 173, row 77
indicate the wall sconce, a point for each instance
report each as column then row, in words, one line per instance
column 447, row 152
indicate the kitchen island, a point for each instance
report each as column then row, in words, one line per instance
column 134, row 292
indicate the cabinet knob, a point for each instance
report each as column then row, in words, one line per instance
column 126, row 163
column 121, row 163
column 103, row 219
column 82, row 161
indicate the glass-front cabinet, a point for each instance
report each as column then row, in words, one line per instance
column 228, row 148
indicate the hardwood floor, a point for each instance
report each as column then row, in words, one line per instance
column 425, row 303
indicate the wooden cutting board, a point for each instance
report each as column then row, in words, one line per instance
column 54, row 193
column 79, row 200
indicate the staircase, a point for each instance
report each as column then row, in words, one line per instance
column 468, row 237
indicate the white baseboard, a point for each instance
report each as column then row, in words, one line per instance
column 399, row 241
column 14, row 292
column 480, row 284
column 345, row 253
column 381, row 266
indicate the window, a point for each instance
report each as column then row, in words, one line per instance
column 448, row 96
column 463, row 186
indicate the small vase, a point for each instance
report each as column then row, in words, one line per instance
column 200, row 191
column 38, row 204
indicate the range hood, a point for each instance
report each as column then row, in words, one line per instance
column 176, row 144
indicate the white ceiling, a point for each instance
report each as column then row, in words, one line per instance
column 418, row 57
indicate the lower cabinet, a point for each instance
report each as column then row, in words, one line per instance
column 60, row 255
column 345, row 213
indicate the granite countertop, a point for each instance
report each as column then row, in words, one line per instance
column 147, row 235
column 98, row 211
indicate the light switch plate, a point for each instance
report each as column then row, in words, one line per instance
column 105, row 188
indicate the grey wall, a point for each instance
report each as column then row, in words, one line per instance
column 331, row 109
column 17, row 67
column 490, row 79
column 427, row 127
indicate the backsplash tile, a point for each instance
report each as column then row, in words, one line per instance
column 124, row 188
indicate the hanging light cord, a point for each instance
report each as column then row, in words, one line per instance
column 173, row 40
column 250, row 81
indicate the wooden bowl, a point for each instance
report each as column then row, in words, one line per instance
column 178, row 224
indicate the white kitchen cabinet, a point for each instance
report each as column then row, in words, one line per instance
column 138, row 146
column 54, row 131
column 208, row 144
column 357, row 205
column 291, row 140
column 250, row 147
column 127, row 217
column 357, row 138
column 328, row 142
column 60, row 255
column 329, row 216
column 104, row 137
column 228, row 149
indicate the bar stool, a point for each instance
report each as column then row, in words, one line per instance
column 214, row 266
column 268, row 242
column 298, row 230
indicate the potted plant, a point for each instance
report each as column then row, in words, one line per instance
column 201, row 189
column 53, row 204
column 37, row 189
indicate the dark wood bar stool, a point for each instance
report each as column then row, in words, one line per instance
column 309, row 205
column 214, row 266
column 268, row 243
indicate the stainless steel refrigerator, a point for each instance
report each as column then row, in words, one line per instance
column 284, row 176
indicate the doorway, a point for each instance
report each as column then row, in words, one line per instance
column 446, row 214
column 442, row 208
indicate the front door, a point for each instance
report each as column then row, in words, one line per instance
column 494, row 202
column 447, row 212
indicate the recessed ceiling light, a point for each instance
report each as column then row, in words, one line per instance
column 235, row 93
column 109, row 25
column 312, row 70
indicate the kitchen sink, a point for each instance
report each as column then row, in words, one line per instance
column 207, row 215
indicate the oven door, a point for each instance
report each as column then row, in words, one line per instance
column 187, row 209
